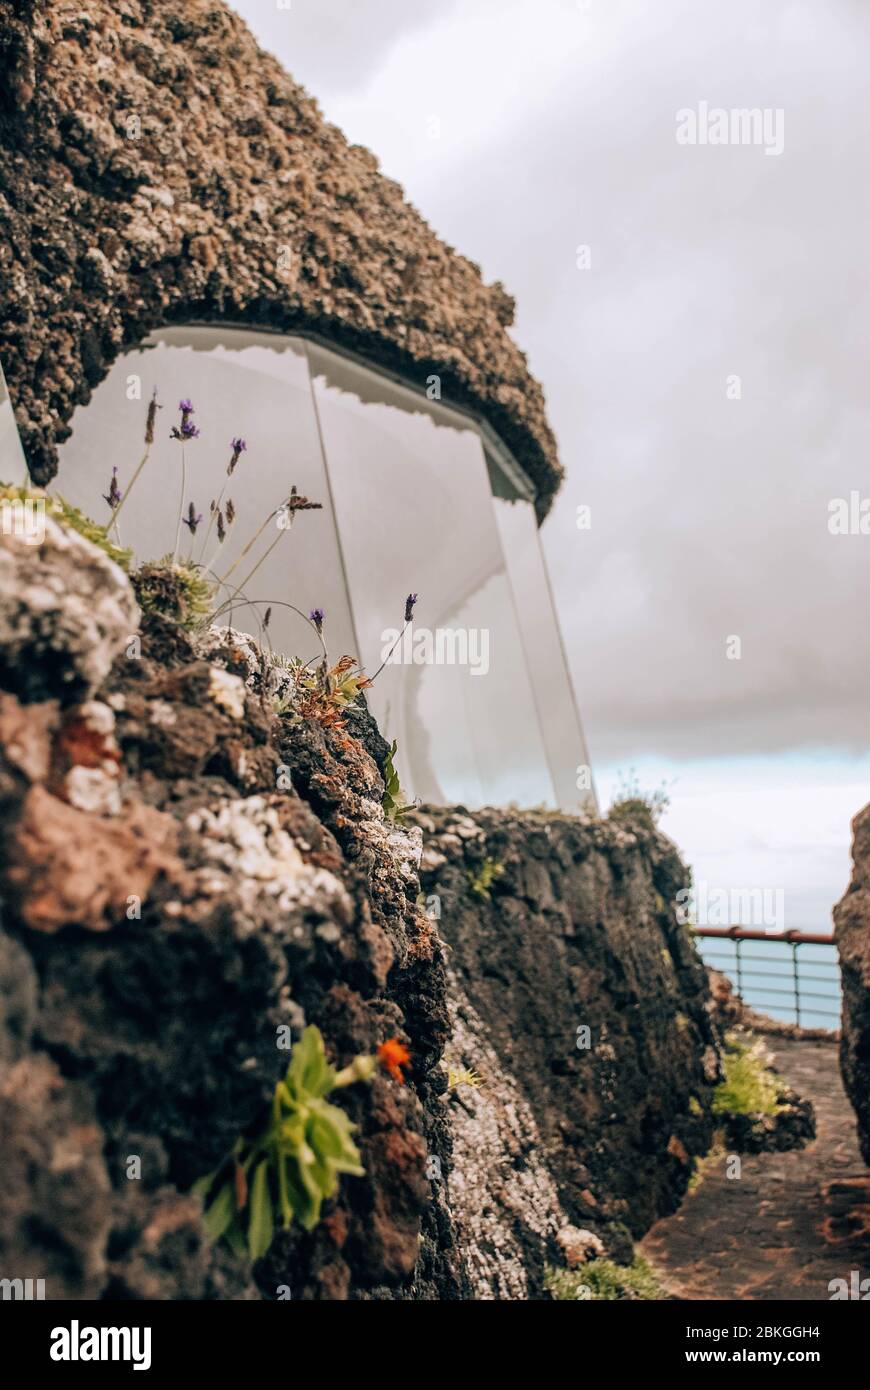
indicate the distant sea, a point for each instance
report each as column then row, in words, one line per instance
column 779, row 824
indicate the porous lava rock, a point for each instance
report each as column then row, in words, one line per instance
column 67, row 613
column 154, row 951
column 583, row 1006
column 157, row 167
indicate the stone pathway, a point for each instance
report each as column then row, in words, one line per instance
column 792, row 1222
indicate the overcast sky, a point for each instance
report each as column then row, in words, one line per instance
column 556, row 127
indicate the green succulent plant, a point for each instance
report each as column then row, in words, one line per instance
column 393, row 801
column 294, row 1165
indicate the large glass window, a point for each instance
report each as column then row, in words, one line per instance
column 542, row 641
column 248, row 386
column 476, row 692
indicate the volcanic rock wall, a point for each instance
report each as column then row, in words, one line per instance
column 184, row 870
column 852, row 930
column 584, row 1008
column 180, row 878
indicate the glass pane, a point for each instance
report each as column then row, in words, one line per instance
column 415, row 514
column 560, row 722
column 12, row 464
column 245, row 385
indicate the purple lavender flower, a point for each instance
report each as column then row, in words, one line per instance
column 113, row 496
column 316, row 616
column 192, row 520
column 238, row 447
column 410, row 601
column 186, row 429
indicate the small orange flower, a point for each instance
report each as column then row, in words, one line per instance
column 393, row 1055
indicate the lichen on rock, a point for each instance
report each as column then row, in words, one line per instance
column 66, row 611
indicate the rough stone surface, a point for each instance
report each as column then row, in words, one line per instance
column 576, row 930
column 852, row 931
column 157, row 167
column 66, row 610
column 150, row 951
column 501, row 1194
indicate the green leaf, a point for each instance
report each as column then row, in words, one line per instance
column 235, row 1238
column 260, row 1228
column 219, row 1215
column 202, row 1186
column 309, row 1073
column 393, row 801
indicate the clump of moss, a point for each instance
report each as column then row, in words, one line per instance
column 67, row 515
column 631, row 803
column 749, row 1086
column 481, row 882
column 177, row 592
column 704, row 1166
column 604, row 1281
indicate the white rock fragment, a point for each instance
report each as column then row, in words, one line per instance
column 257, row 860
column 227, row 691
column 220, row 644
column 89, row 785
column 93, row 789
column 66, row 611
column 406, row 846
column 161, row 713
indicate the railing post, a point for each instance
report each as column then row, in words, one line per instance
column 739, row 967
column 796, row 981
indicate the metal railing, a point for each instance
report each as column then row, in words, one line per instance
column 742, row 966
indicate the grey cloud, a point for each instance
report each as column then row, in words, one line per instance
column 330, row 45
column 709, row 515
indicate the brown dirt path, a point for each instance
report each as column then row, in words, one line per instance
column 791, row 1222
